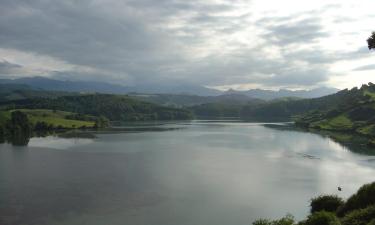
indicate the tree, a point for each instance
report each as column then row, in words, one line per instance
column 2, row 134
column 371, row 41
column 19, row 128
column 321, row 218
column 19, row 122
column 329, row 203
column 101, row 122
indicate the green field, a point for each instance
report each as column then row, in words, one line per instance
column 367, row 130
column 55, row 118
column 4, row 116
column 341, row 122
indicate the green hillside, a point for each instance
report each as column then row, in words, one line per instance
column 354, row 114
column 287, row 109
column 113, row 107
column 12, row 92
column 56, row 119
column 216, row 110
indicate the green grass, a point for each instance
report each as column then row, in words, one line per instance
column 371, row 94
column 367, row 130
column 4, row 116
column 56, row 118
column 341, row 122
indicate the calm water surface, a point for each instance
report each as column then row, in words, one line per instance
column 190, row 173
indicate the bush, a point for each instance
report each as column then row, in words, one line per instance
column 287, row 220
column 262, row 222
column 41, row 125
column 363, row 198
column 19, row 122
column 329, row 203
column 322, row 218
column 360, row 216
column 2, row 135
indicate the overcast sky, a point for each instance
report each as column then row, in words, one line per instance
column 238, row 44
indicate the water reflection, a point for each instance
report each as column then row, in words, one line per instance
column 203, row 173
column 23, row 138
column 18, row 138
column 349, row 141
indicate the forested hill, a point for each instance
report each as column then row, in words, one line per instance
column 113, row 107
column 288, row 108
column 353, row 112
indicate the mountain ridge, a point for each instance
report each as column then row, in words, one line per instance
column 178, row 88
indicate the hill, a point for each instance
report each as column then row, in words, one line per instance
column 52, row 118
column 287, row 108
column 9, row 92
column 43, row 83
column 113, row 107
column 180, row 100
column 163, row 89
column 354, row 112
column 225, row 106
column 282, row 93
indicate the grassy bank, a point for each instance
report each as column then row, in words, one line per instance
column 57, row 119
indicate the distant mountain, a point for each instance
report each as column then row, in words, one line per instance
column 102, row 87
column 10, row 92
column 282, row 93
column 186, row 100
column 69, row 86
column 157, row 88
column 180, row 89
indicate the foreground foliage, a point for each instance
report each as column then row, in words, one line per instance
column 329, row 203
column 359, row 209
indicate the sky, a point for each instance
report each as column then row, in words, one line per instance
column 240, row 44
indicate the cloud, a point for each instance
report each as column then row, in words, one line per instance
column 295, row 32
column 212, row 42
column 6, row 66
column 366, row 67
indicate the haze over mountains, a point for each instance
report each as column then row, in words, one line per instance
column 187, row 89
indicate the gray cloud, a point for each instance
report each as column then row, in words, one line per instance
column 7, row 69
column 140, row 41
column 364, row 68
column 290, row 32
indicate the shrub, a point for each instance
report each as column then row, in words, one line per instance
column 262, row 222
column 40, row 126
column 364, row 197
column 360, row 216
column 322, row 218
column 329, row 203
column 19, row 122
column 286, row 220
column 2, row 135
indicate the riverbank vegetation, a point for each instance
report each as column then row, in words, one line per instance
column 359, row 209
column 17, row 126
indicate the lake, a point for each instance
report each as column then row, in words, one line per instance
column 180, row 173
